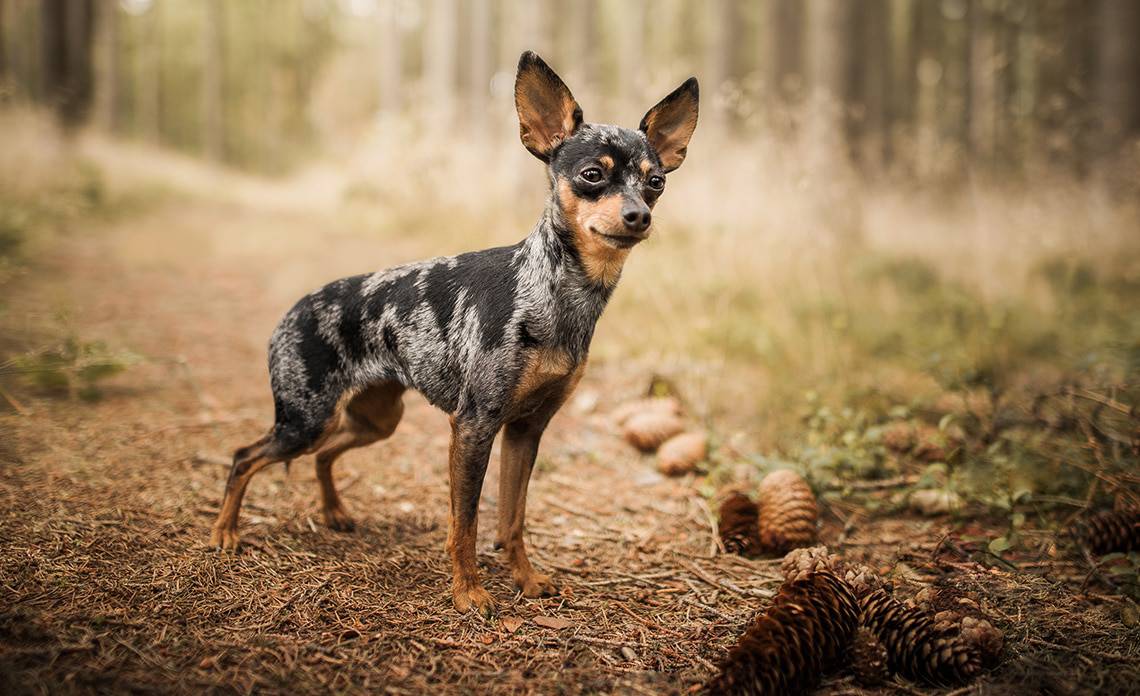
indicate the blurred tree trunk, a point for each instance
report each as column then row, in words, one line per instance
column 148, row 70
column 828, row 58
column 722, row 64
column 107, row 64
column 213, row 82
column 582, row 48
column 783, row 31
column 479, row 62
column 440, row 59
column 390, row 56
column 66, row 40
column 3, row 49
column 1117, row 81
column 983, row 54
column 631, row 77
column 871, row 77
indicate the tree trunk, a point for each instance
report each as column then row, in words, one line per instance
column 783, row 31
column 148, row 69
column 721, row 64
column 390, row 45
column 1117, row 74
column 3, row 53
column 873, row 77
column 213, row 81
column 440, row 60
column 828, row 58
column 65, row 46
column 107, row 65
column 479, row 63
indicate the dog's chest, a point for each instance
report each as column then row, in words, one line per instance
column 546, row 373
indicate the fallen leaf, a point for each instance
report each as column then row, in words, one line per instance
column 487, row 639
column 553, row 622
column 511, row 623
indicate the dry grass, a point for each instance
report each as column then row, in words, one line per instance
column 105, row 579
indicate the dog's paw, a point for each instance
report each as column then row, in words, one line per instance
column 338, row 520
column 536, row 585
column 473, row 597
column 225, row 538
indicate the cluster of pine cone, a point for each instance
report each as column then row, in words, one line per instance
column 828, row 614
column 656, row 424
column 783, row 518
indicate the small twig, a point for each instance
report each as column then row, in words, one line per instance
column 19, row 408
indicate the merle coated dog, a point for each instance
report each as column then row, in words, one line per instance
column 497, row 339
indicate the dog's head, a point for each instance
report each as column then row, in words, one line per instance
column 606, row 178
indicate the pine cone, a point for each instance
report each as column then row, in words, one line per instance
column 800, row 563
column 1110, row 532
column 785, row 649
column 787, row 512
column 646, row 431
column 863, row 580
column 868, row 658
column 680, row 454
column 738, row 529
column 916, row 647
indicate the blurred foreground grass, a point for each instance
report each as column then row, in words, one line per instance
column 970, row 336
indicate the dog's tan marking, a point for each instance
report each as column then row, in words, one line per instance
column 603, row 263
column 645, row 166
column 607, row 162
column 542, row 367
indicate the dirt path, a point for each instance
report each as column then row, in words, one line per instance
column 109, row 585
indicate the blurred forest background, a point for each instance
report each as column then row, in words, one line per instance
column 923, row 87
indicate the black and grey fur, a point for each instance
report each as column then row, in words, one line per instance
column 495, row 338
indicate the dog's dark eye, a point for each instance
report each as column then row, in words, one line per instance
column 592, row 175
column 657, row 182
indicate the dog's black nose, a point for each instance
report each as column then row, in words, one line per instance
column 636, row 217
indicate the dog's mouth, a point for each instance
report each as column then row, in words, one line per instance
column 620, row 241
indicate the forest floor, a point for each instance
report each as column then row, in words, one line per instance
column 108, row 583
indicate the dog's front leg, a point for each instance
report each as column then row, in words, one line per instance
column 519, row 449
column 467, row 464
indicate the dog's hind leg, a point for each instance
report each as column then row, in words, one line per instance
column 247, row 462
column 369, row 416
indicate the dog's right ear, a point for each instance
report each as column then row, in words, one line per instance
column 548, row 113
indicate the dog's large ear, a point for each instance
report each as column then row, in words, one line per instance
column 671, row 123
column 548, row 113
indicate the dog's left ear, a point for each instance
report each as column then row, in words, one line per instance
column 548, row 113
column 671, row 123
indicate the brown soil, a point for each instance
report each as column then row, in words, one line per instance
column 107, row 583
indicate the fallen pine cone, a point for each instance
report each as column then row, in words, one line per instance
column 788, row 512
column 868, row 658
column 1110, row 531
column 646, row 431
column 802, row 562
column 917, row 647
column 680, row 454
column 786, row 649
column 663, row 404
column 738, row 525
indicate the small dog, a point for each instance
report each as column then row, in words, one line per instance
column 497, row 339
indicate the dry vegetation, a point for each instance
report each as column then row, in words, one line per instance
column 970, row 354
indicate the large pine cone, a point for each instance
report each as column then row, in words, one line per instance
column 869, row 658
column 785, row 649
column 1110, row 532
column 738, row 525
column 788, row 512
column 917, row 648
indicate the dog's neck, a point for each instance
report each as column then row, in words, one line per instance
column 555, row 288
